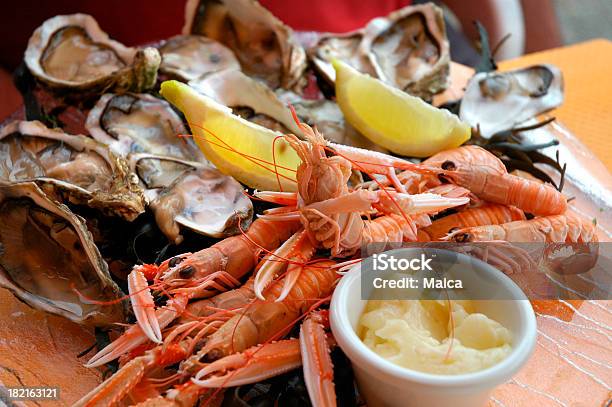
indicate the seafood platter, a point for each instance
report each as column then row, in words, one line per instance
column 181, row 223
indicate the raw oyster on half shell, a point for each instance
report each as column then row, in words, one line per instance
column 256, row 102
column 140, row 123
column 265, row 47
column 49, row 261
column 407, row 49
column 72, row 53
column 192, row 195
column 69, row 168
column 187, row 57
column 251, row 99
column 496, row 101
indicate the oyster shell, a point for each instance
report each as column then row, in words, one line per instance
column 329, row 120
column 71, row 52
column 70, row 168
column 264, row 45
column 187, row 57
column 46, row 253
column 407, row 49
column 192, row 195
column 496, row 101
column 140, row 123
column 249, row 98
column 256, row 102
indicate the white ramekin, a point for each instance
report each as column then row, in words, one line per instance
column 383, row 383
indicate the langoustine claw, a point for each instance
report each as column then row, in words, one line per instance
column 268, row 360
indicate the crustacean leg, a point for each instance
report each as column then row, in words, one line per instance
column 268, row 360
column 296, row 251
column 115, row 388
column 135, row 336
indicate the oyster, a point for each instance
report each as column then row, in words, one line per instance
column 71, row 52
column 407, row 49
column 140, row 123
column 496, row 101
column 249, row 98
column 254, row 101
column 264, row 45
column 192, row 195
column 187, row 57
column 48, row 259
column 70, row 168
column 329, row 120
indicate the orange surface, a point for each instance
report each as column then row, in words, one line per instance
column 587, row 109
column 38, row 349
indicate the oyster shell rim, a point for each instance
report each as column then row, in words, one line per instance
column 135, row 59
column 293, row 55
column 433, row 16
column 37, row 195
column 95, row 199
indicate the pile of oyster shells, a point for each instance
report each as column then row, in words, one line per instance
column 130, row 160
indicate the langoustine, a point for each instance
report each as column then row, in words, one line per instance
column 488, row 214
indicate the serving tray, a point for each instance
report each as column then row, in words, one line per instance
column 571, row 364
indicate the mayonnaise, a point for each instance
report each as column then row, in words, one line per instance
column 417, row 335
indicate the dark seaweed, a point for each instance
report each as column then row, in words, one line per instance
column 486, row 63
column 510, row 147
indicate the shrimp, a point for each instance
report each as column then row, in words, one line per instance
column 469, row 155
column 331, row 214
column 568, row 228
column 264, row 321
column 206, row 311
column 530, row 196
column 234, row 256
column 489, row 214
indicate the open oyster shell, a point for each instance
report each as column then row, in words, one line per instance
column 187, row 57
column 326, row 115
column 71, row 52
column 407, row 49
column 496, row 101
column 249, row 98
column 264, row 45
column 192, row 195
column 70, row 168
column 46, row 253
column 140, row 123
column 256, row 102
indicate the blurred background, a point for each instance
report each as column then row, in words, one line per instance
column 534, row 25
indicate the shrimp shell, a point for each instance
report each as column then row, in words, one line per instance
column 568, row 228
column 264, row 321
column 506, row 189
column 489, row 214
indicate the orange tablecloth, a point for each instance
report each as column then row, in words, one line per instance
column 587, row 109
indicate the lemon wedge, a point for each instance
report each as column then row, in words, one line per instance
column 403, row 124
column 234, row 145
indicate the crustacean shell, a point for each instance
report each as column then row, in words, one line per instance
column 70, row 168
column 48, row 259
column 187, row 57
column 407, row 49
column 71, row 52
column 496, row 101
column 265, row 47
column 192, row 195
